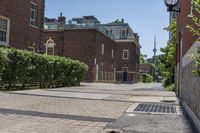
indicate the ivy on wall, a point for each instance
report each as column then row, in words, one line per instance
column 195, row 30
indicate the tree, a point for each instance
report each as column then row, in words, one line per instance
column 167, row 60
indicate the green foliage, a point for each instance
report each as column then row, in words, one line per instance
column 20, row 68
column 171, row 87
column 167, row 60
column 146, row 78
column 195, row 30
column 142, row 59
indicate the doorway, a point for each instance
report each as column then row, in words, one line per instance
column 125, row 74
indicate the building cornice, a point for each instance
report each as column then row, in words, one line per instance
column 129, row 40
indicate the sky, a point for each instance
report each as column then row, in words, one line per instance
column 146, row 17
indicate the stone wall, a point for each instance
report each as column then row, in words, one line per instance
column 190, row 93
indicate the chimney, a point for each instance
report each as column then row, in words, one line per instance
column 122, row 20
column 137, row 37
column 61, row 21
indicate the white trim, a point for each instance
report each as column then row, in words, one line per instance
column 50, row 44
column 124, row 68
column 34, row 3
column 102, row 49
column 125, row 50
column 112, row 53
column 33, row 26
column 129, row 40
column 7, row 32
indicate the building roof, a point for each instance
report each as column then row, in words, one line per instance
column 113, row 30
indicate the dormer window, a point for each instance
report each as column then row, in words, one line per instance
column 109, row 32
column 123, row 33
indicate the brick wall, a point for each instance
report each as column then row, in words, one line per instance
column 147, row 68
column 105, row 61
column 132, row 63
column 189, row 88
column 85, row 45
column 18, row 11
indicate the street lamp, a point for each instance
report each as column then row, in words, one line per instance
column 171, row 5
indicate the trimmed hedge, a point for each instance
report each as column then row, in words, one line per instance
column 21, row 68
column 146, row 78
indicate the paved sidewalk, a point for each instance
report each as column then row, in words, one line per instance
column 90, row 108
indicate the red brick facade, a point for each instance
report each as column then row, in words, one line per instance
column 85, row 45
column 21, row 34
column 101, row 52
column 132, row 63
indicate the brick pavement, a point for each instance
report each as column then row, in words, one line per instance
column 85, row 109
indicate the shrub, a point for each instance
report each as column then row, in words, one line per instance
column 171, row 87
column 146, row 78
column 21, row 67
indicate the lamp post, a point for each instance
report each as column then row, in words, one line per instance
column 171, row 5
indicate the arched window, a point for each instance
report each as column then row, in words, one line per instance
column 50, row 46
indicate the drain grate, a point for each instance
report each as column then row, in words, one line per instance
column 156, row 108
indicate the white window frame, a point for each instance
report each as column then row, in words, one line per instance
column 112, row 53
column 126, row 50
column 102, row 49
column 122, row 32
column 6, row 43
column 50, row 44
column 36, row 15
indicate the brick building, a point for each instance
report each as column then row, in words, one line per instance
column 110, row 50
column 110, row 58
column 147, row 68
column 21, row 22
column 188, row 84
column 128, row 50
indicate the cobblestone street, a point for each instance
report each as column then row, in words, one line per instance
column 85, row 109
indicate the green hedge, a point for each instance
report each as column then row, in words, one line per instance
column 21, row 68
column 146, row 78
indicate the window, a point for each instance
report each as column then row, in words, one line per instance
column 102, row 49
column 33, row 14
column 50, row 51
column 112, row 53
column 4, row 30
column 50, row 46
column 125, row 54
column 101, row 75
column 109, row 32
column 105, row 78
column 123, row 33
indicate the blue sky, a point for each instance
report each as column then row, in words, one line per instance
column 146, row 17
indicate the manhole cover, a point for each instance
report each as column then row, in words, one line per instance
column 156, row 108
